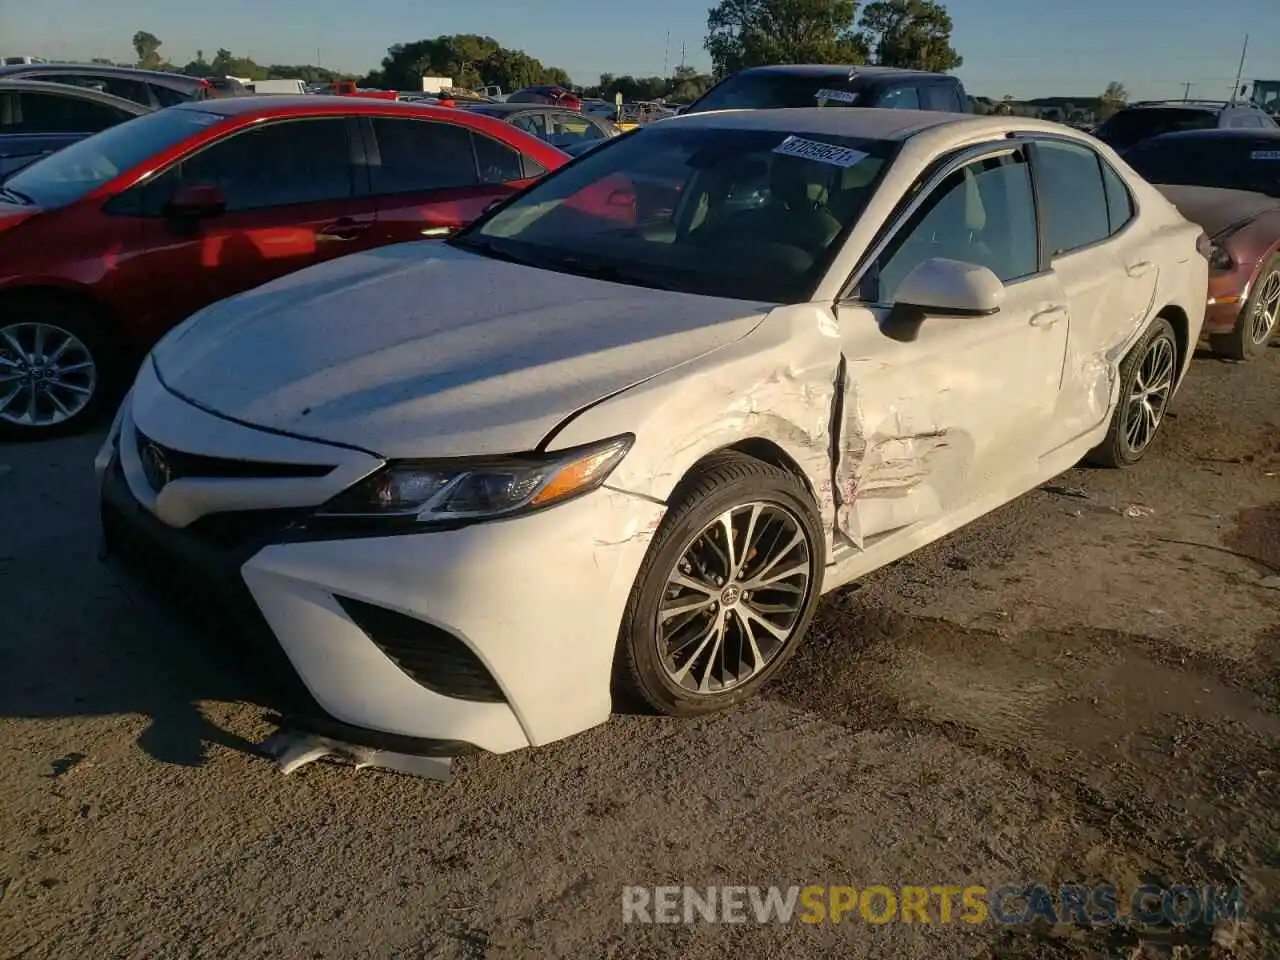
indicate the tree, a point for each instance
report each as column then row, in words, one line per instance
column 915, row 34
column 199, row 67
column 147, row 47
column 468, row 59
column 748, row 33
column 1113, row 98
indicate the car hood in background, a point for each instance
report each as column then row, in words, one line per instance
column 1217, row 210
column 424, row 350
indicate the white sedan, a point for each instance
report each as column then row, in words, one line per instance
column 617, row 438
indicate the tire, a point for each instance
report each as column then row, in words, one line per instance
column 33, row 329
column 781, row 508
column 1249, row 338
column 1146, row 363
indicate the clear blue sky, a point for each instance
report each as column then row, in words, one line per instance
column 1021, row 47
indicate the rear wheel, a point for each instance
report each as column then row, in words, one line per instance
column 54, row 370
column 1148, row 374
column 1257, row 321
column 726, row 591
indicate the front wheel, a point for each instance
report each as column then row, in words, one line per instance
column 1148, row 374
column 53, row 368
column 1258, row 319
column 726, row 591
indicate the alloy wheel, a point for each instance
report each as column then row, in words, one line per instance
column 1149, row 394
column 47, row 375
column 1266, row 310
column 735, row 597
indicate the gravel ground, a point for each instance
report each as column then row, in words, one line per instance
column 1081, row 687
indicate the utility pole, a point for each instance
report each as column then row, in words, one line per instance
column 682, row 52
column 1186, row 91
column 1235, row 90
column 666, row 51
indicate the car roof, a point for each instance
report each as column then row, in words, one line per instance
column 73, row 92
column 307, row 103
column 850, row 71
column 868, row 123
column 100, row 69
column 1221, row 133
column 483, row 107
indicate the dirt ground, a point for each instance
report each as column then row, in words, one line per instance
column 1081, row 687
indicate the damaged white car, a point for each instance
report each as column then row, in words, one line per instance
column 620, row 435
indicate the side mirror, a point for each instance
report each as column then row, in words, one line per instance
column 196, row 201
column 945, row 288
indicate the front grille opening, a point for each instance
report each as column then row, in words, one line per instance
column 429, row 656
column 183, row 464
column 234, row 529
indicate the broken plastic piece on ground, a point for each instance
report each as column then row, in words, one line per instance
column 293, row 749
column 1136, row 511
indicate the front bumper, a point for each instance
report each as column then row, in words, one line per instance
column 526, row 610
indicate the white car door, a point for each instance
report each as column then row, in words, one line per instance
column 932, row 421
column 1101, row 258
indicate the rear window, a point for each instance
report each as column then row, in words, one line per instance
column 1131, row 126
column 769, row 91
column 1232, row 163
column 73, row 172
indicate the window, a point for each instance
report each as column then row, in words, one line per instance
column 899, row 98
column 1074, row 198
column 1138, row 123
column 532, row 124
column 723, row 212
column 1234, row 163
column 498, row 162
column 73, row 171
column 166, row 96
column 49, row 113
column 1119, row 201
column 418, row 155
column 941, row 96
column 768, row 91
column 570, row 129
column 123, row 87
column 296, row 161
column 983, row 213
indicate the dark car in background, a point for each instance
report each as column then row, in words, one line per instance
column 819, row 85
column 37, row 119
column 151, row 88
column 1227, row 181
column 568, row 130
column 107, row 244
column 1151, row 118
column 549, row 94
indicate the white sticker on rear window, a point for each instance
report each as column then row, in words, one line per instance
column 795, row 146
column 840, row 96
column 1265, row 155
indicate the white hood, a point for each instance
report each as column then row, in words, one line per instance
column 424, row 350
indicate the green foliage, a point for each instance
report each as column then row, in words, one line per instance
column 147, row 47
column 915, row 34
column 1113, row 98
column 468, row 59
column 685, row 86
column 749, row 33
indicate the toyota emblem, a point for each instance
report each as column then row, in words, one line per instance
column 156, row 466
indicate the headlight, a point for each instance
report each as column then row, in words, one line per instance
column 450, row 490
column 1219, row 258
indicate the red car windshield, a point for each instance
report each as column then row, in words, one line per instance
column 71, row 173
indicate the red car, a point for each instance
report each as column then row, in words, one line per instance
column 109, row 243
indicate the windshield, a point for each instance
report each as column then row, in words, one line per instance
column 74, row 171
column 1233, row 163
column 769, row 91
column 1130, row 126
column 748, row 214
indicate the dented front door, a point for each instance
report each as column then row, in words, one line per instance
column 964, row 409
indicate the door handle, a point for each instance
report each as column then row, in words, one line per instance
column 1048, row 317
column 341, row 230
column 1140, row 269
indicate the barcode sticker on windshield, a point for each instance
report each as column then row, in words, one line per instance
column 795, row 146
column 840, row 96
column 1265, row 155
